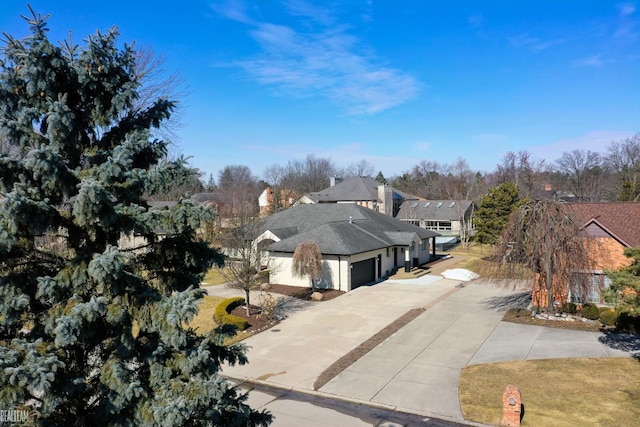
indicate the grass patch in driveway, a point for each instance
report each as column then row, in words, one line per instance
column 556, row 392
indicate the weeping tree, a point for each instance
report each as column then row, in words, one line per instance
column 307, row 261
column 94, row 302
column 546, row 237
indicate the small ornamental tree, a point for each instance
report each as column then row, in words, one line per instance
column 81, row 262
column 307, row 261
column 244, row 254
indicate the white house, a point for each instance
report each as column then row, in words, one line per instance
column 359, row 246
column 452, row 219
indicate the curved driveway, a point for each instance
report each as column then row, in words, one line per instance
column 418, row 368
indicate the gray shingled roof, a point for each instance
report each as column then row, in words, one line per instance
column 329, row 226
column 354, row 189
column 433, row 210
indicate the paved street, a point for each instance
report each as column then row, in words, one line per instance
column 295, row 409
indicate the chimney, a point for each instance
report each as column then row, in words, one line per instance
column 334, row 180
column 350, row 220
column 385, row 198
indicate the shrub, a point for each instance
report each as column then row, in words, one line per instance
column 569, row 308
column 608, row 317
column 223, row 316
column 628, row 322
column 590, row 311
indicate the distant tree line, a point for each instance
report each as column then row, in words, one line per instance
column 582, row 175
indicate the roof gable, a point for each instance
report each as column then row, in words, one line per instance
column 620, row 220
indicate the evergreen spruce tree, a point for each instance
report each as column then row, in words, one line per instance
column 494, row 210
column 93, row 303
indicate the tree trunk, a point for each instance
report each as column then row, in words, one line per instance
column 246, row 292
column 313, row 285
column 549, row 285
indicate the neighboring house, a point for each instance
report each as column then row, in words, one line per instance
column 362, row 191
column 452, row 219
column 613, row 227
column 359, row 246
column 266, row 200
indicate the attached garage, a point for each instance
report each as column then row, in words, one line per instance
column 363, row 272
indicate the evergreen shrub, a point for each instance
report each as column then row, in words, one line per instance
column 590, row 311
column 608, row 317
column 569, row 308
column 223, row 314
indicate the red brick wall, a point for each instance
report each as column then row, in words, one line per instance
column 607, row 255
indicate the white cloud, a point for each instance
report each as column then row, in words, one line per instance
column 534, row 43
column 234, row 10
column 597, row 141
column 322, row 61
column 590, row 61
column 626, row 9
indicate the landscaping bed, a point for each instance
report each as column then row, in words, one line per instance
column 520, row 315
column 258, row 323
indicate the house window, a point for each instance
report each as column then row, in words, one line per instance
column 585, row 288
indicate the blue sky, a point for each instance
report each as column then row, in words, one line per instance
column 393, row 83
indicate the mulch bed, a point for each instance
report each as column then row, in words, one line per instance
column 258, row 323
column 518, row 315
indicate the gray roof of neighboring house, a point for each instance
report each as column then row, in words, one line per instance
column 354, row 189
column 329, row 225
column 434, row 210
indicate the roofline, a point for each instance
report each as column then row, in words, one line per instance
column 605, row 228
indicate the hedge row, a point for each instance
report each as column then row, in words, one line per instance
column 223, row 314
column 624, row 322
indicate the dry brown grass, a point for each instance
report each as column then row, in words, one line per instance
column 475, row 260
column 556, row 392
column 203, row 321
column 215, row 276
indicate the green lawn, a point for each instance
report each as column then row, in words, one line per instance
column 556, row 392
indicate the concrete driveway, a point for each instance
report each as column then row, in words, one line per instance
column 417, row 369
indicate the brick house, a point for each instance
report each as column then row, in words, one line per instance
column 611, row 227
column 267, row 200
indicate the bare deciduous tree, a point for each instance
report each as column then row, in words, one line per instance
column 585, row 173
column 243, row 255
column 546, row 237
column 624, row 160
column 522, row 170
column 362, row 168
column 307, row 261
